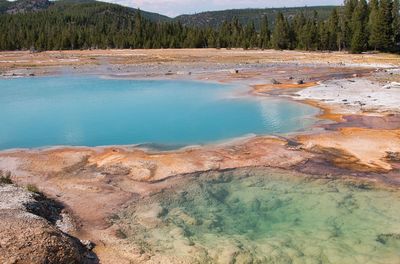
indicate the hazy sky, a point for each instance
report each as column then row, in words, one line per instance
column 178, row 7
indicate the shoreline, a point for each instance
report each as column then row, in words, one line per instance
column 236, row 90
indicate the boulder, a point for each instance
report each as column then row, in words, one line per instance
column 27, row 231
column 26, row 238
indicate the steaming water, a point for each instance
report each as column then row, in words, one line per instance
column 93, row 111
column 267, row 217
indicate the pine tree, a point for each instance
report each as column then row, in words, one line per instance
column 359, row 25
column 249, row 39
column 386, row 23
column 265, row 34
column 349, row 6
column 291, row 36
column 223, row 35
column 236, row 33
column 374, row 25
column 396, row 25
column 324, row 35
column 334, row 31
column 280, row 35
column 314, row 32
column 307, row 36
column 138, row 33
column 298, row 24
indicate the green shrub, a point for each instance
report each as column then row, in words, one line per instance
column 5, row 177
column 32, row 188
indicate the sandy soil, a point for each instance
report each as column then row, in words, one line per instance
column 55, row 58
column 94, row 183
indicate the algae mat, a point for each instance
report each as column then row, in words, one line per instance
column 266, row 217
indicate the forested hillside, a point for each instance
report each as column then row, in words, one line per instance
column 23, row 6
column 82, row 24
column 84, row 7
column 215, row 18
column 357, row 27
column 4, row 6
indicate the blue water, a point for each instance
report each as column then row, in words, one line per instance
column 93, row 111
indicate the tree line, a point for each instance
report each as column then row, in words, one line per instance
column 357, row 26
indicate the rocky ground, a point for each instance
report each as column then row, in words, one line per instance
column 359, row 136
column 33, row 229
column 355, row 95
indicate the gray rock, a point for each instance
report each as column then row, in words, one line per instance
column 273, row 81
column 27, row 237
column 89, row 245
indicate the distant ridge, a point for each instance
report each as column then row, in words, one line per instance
column 22, row 6
column 216, row 18
column 203, row 19
column 4, row 5
column 71, row 6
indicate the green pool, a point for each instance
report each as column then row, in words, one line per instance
column 268, row 216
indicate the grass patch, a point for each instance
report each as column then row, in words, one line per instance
column 120, row 234
column 33, row 188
